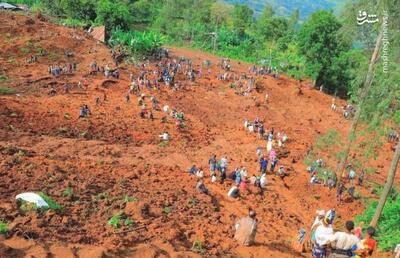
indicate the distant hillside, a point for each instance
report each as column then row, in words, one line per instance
column 286, row 7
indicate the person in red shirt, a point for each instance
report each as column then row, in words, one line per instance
column 368, row 244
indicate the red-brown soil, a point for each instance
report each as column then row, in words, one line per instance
column 45, row 147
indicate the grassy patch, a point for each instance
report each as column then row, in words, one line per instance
column 128, row 222
column 68, row 192
column 7, row 91
column 25, row 50
column 62, row 130
column 53, row 205
column 53, row 56
column 84, row 134
column 167, row 210
column 127, row 199
column 3, row 227
column 163, row 144
column 115, row 220
column 12, row 61
column 198, row 247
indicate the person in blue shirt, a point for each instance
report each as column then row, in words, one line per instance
column 263, row 165
column 193, row 170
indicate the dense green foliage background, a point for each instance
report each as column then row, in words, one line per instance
column 389, row 230
column 229, row 30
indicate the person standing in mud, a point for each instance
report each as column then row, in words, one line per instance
column 246, row 229
column 224, row 164
column 84, row 111
column 212, row 162
column 339, row 193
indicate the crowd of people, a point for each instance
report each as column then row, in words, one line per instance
column 175, row 74
column 57, row 70
column 327, row 242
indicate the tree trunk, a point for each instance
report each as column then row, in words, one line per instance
column 364, row 94
column 388, row 186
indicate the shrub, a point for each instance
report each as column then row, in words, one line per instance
column 128, row 222
column 113, row 14
column 115, row 220
column 388, row 231
column 145, row 43
column 73, row 23
column 3, row 227
column 198, row 247
column 53, row 205
column 167, row 210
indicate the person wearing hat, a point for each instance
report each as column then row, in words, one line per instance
column 344, row 243
column 246, row 229
column 323, row 235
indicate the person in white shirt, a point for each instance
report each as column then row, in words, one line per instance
column 213, row 178
column 343, row 243
column 397, row 251
column 263, row 180
column 200, row 173
column 318, row 219
column 323, row 234
column 224, row 164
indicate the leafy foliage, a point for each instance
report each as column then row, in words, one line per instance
column 324, row 49
column 115, row 220
column 120, row 219
column 113, row 14
column 388, row 227
column 198, row 247
column 3, row 227
column 53, row 205
column 242, row 18
column 138, row 42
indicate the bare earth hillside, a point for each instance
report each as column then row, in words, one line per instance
column 114, row 162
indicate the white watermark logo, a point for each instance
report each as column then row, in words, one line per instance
column 363, row 17
column 385, row 42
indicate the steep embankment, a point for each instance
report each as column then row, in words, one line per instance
column 113, row 161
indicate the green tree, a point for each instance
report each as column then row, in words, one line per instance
column 145, row 11
column 79, row 9
column 323, row 48
column 272, row 28
column 113, row 14
column 220, row 13
column 242, row 18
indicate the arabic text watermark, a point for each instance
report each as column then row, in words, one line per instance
column 385, row 42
